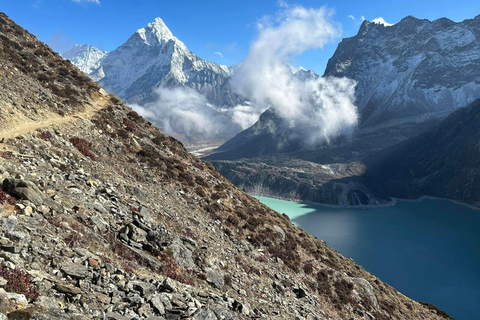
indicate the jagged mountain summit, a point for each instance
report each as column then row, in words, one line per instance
column 153, row 57
column 409, row 76
column 85, row 57
column 411, row 71
column 104, row 217
column 155, row 71
column 150, row 67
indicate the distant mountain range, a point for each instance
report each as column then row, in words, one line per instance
column 150, row 58
column 153, row 60
column 85, row 57
column 411, row 78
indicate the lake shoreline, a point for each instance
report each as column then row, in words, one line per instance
column 392, row 203
column 411, row 246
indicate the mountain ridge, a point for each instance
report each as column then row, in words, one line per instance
column 414, row 67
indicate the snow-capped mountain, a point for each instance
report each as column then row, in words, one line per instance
column 85, row 57
column 415, row 69
column 156, row 74
column 153, row 57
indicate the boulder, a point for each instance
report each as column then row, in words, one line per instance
column 181, row 254
column 75, row 270
column 205, row 314
column 145, row 288
column 215, row 278
column 23, row 189
column 68, row 289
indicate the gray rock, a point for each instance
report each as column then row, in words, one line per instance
column 9, row 223
column 281, row 231
column 223, row 314
column 47, row 302
column 181, row 254
column 18, row 298
column 137, row 234
column 19, row 236
column 145, row 288
column 75, row 270
column 23, row 189
column 99, row 222
column 216, row 278
column 99, row 207
column 139, row 194
column 167, row 285
column 114, row 316
column 205, row 314
column 157, row 305
column 3, row 282
column 68, row 289
column 368, row 292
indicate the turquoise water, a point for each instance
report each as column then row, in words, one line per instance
column 428, row 250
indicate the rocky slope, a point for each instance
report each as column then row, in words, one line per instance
column 414, row 68
column 104, row 217
column 443, row 163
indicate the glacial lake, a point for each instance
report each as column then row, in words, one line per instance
column 428, row 250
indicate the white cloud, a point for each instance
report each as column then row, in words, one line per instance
column 219, row 54
column 93, row 1
column 363, row 18
column 324, row 106
column 184, row 111
column 352, row 17
column 245, row 115
column 382, row 21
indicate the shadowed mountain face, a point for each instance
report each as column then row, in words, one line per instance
column 270, row 134
column 444, row 163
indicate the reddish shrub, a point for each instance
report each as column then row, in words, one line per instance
column 129, row 125
column 5, row 198
column 83, row 146
column 19, row 282
column 46, row 135
column 73, row 239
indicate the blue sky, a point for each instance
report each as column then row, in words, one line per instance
column 206, row 26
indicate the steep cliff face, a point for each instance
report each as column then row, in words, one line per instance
column 415, row 68
column 102, row 216
column 443, row 163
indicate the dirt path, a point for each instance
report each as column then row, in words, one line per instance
column 29, row 125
